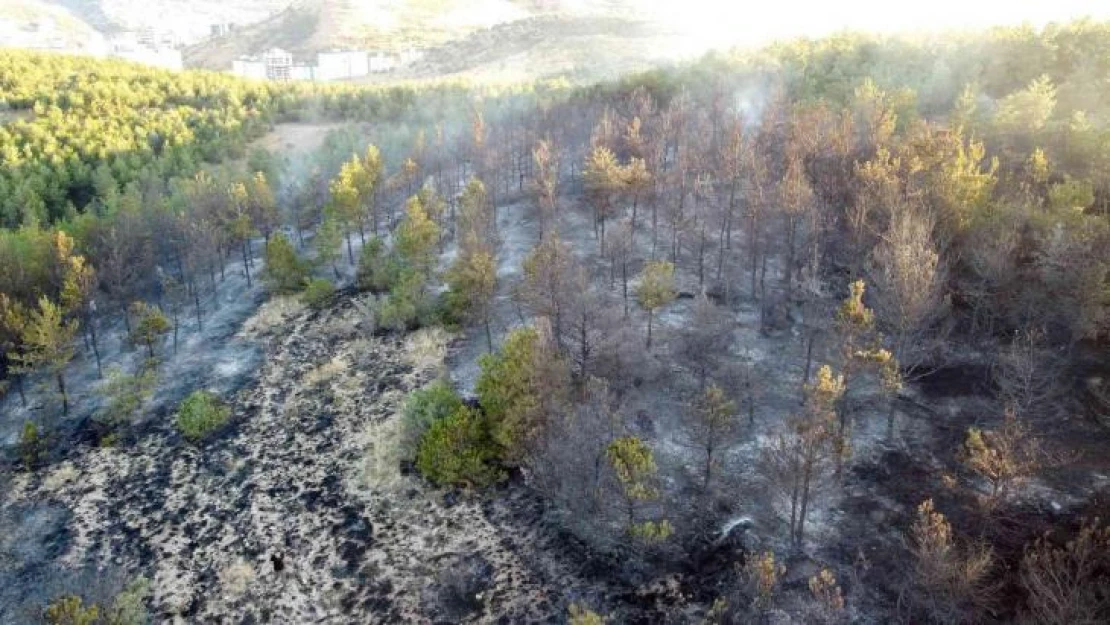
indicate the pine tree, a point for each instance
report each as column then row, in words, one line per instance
column 416, row 238
column 48, row 344
column 634, row 466
column 655, row 290
column 284, row 272
column 715, row 423
column 150, row 326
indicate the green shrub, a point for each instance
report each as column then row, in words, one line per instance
column 32, row 445
column 408, row 305
column 285, row 272
column 377, row 271
column 317, row 293
column 457, row 451
column 201, row 414
column 129, row 606
column 125, row 394
column 422, row 409
column 70, row 610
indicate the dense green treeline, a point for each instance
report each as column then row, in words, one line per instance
column 84, row 128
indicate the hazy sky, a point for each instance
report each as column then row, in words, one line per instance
column 719, row 22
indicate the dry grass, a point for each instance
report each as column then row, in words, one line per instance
column 327, row 372
column 379, row 469
column 59, row 477
column 270, row 315
column 236, row 577
column 426, row 348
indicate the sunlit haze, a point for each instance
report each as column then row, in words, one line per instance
column 716, row 23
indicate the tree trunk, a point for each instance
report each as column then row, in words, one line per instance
column 805, row 503
column 794, row 509
column 788, row 270
column 754, row 242
column 62, row 389
column 701, row 255
column 350, row 250
column 708, row 467
column 654, row 229
column 651, row 316
column 624, row 285
column 22, row 391
column 489, row 336
column 90, row 323
column 809, row 357
column 196, row 304
column 246, row 264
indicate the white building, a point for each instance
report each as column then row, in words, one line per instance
column 279, row 64
column 303, row 71
column 342, row 65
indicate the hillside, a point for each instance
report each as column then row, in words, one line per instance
column 584, row 48
column 501, row 40
column 86, row 20
column 307, row 26
column 39, row 22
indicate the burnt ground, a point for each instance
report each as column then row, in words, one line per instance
column 299, row 510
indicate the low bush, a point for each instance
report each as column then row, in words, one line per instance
column 458, row 451
column 408, row 306
column 125, row 394
column 129, row 606
column 71, row 610
column 422, row 409
column 284, row 272
column 317, row 293
column 377, row 271
column 32, row 445
column 201, row 414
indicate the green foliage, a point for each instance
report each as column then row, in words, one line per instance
column 656, row 289
column 129, row 606
column 328, row 243
column 416, row 237
column 423, row 408
column 32, row 445
column 149, row 327
column 317, row 292
column 200, row 414
column 472, row 285
column 125, row 394
column 70, row 610
column 506, row 390
column 1028, row 109
column 579, row 615
column 1071, row 195
column 285, row 272
column 377, row 269
column 634, row 465
column 457, row 450
column 408, row 305
column 651, row 531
